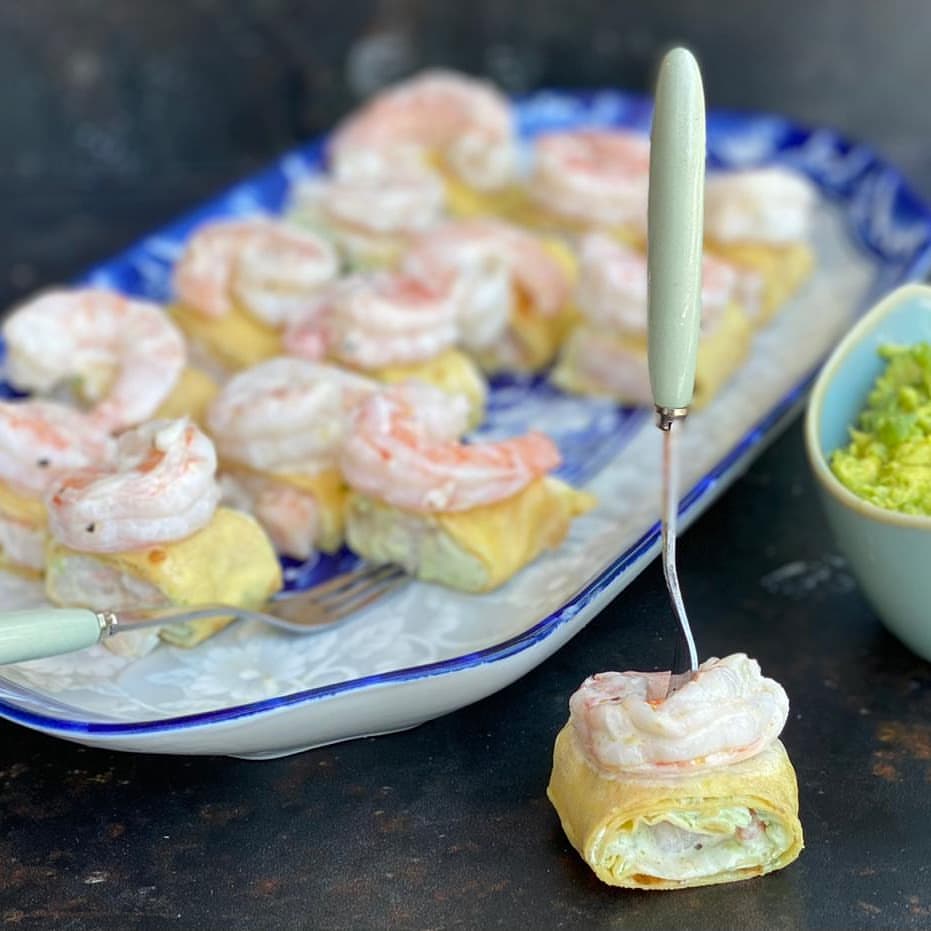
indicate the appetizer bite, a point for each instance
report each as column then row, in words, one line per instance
column 278, row 428
column 391, row 327
column 606, row 354
column 758, row 220
column 590, row 179
column 39, row 440
column 122, row 358
column 146, row 531
column 239, row 281
column 370, row 207
column 689, row 790
column 466, row 516
column 511, row 289
column 461, row 127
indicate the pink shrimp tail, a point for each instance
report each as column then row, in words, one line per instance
column 538, row 451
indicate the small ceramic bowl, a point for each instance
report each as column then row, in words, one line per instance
column 889, row 553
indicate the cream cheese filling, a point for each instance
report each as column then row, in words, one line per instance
column 687, row 844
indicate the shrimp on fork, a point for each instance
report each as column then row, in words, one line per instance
column 727, row 713
column 126, row 355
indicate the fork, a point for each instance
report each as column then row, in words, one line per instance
column 39, row 632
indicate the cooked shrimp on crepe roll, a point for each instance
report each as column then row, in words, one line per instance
column 467, row 516
column 462, row 126
column 239, row 281
column 689, row 790
column 394, row 328
column 370, row 206
column 278, row 428
column 146, row 530
column 122, row 357
column 511, row 289
column 606, row 353
column 759, row 220
column 590, row 179
column 39, row 440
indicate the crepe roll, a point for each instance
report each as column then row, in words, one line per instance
column 145, row 531
column 238, row 281
column 690, row 790
column 760, row 220
column 465, row 515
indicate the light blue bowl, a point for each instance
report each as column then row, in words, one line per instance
column 889, row 553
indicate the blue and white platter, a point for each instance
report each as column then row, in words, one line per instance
column 254, row 692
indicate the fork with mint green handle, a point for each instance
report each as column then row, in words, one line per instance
column 674, row 258
column 38, row 632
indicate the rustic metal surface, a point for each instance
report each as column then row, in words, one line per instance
column 118, row 115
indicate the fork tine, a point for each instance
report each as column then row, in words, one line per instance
column 363, row 598
column 304, row 614
column 362, row 575
column 353, row 586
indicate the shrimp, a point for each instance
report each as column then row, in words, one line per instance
column 38, row 441
column 290, row 517
column 102, row 339
column 612, row 289
column 374, row 195
column 161, row 487
column 391, row 455
column 467, row 122
column 269, row 268
column 595, row 177
column 770, row 205
column 727, row 713
column 488, row 261
column 41, row 439
column 382, row 319
column 286, row 414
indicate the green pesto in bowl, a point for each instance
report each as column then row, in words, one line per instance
column 888, row 459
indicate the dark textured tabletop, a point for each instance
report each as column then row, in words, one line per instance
column 118, row 115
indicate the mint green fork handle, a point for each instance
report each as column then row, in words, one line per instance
column 677, row 174
column 47, row 632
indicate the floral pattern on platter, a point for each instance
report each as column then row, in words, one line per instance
column 871, row 234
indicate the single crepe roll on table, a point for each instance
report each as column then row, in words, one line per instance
column 238, row 282
column 511, row 288
column 146, row 531
column 123, row 359
column 688, row 791
column 606, row 353
column 759, row 220
column 278, row 428
column 392, row 327
column 466, row 516
column 39, row 440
